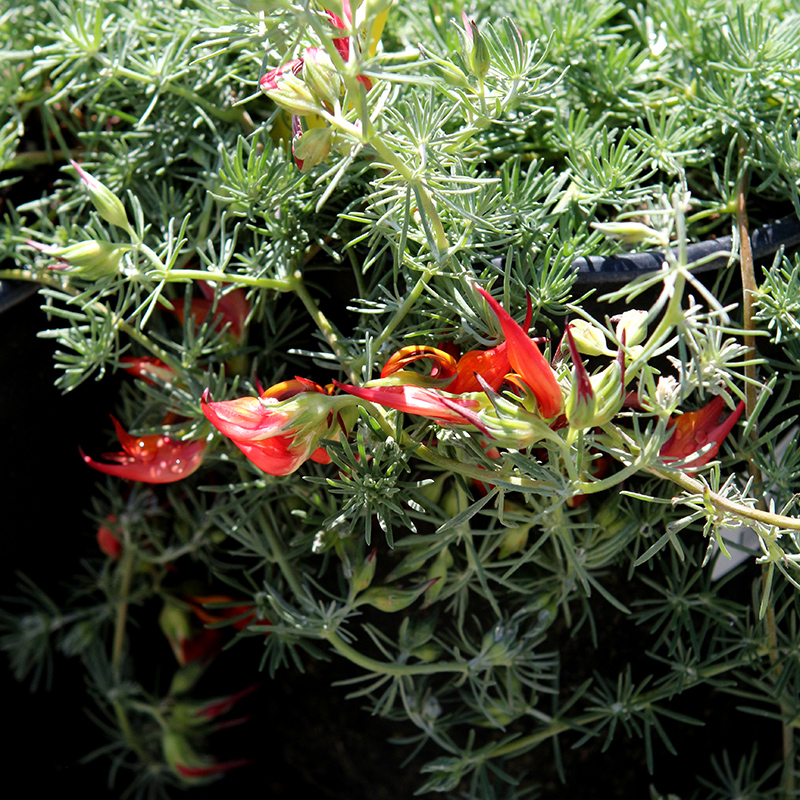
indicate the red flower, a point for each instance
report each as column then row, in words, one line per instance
column 343, row 44
column 271, row 80
column 188, row 764
column 146, row 366
column 491, row 365
column 281, row 429
column 232, row 309
column 150, row 459
column 528, row 362
column 222, row 705
column 417, row 400
column 696, row 429
column 212, row 769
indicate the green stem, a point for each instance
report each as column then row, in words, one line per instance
column 556, row 726
column 186, row 275
column 386, row 668
column 127, row 567
column 128, row 734
column 725, row 504
column 393, row 160
column 276, row 548
column 35, row 158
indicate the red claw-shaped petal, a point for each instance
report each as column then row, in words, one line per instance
column 696, row 429
column 415, row 400
column 527, row 361
column 491, row 365
column 150, row 459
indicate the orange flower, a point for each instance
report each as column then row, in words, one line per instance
column 491, row 365
column 696, row 429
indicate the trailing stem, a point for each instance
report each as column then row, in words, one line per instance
column 749, row 288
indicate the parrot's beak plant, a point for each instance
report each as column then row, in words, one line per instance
column 479, row 470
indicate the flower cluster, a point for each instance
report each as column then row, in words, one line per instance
column 310, row 88
column 284, row 427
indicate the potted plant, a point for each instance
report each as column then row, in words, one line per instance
column 446, row 349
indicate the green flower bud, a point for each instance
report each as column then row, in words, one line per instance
column 609, row 393
column 427, row 652
column 474, row 50
column 631, row 232
column 320, row 77
column 375, row 7
column 363, row 573
column 633, row 325
column 514, row 540
column 412, row 635
column 187, row 676
column 108, row 205
column 581, row 403
column 437, row 572
column 390, row 599
column 89, row 259
column 496, row 648
column 589, row 339
column 286, row 90
column 312, row 148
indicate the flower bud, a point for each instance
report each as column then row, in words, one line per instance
column 589, row 339
column 514, row 540
column 187, row 676
column 630, row 232
column 609, row 393
column 390, row 598
column 186, row 643
column 108, row 205
column 474, row 50
column 312, row 148
column 412, row 635
column 375, row 7
column 286, row 90
column 428, row 652
column 107, row 540
column 496, row 648
column 90, row 259
column 364, row 572
column 631, row 326
column 581, row 404
column 320, row 76
column 437, row 572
